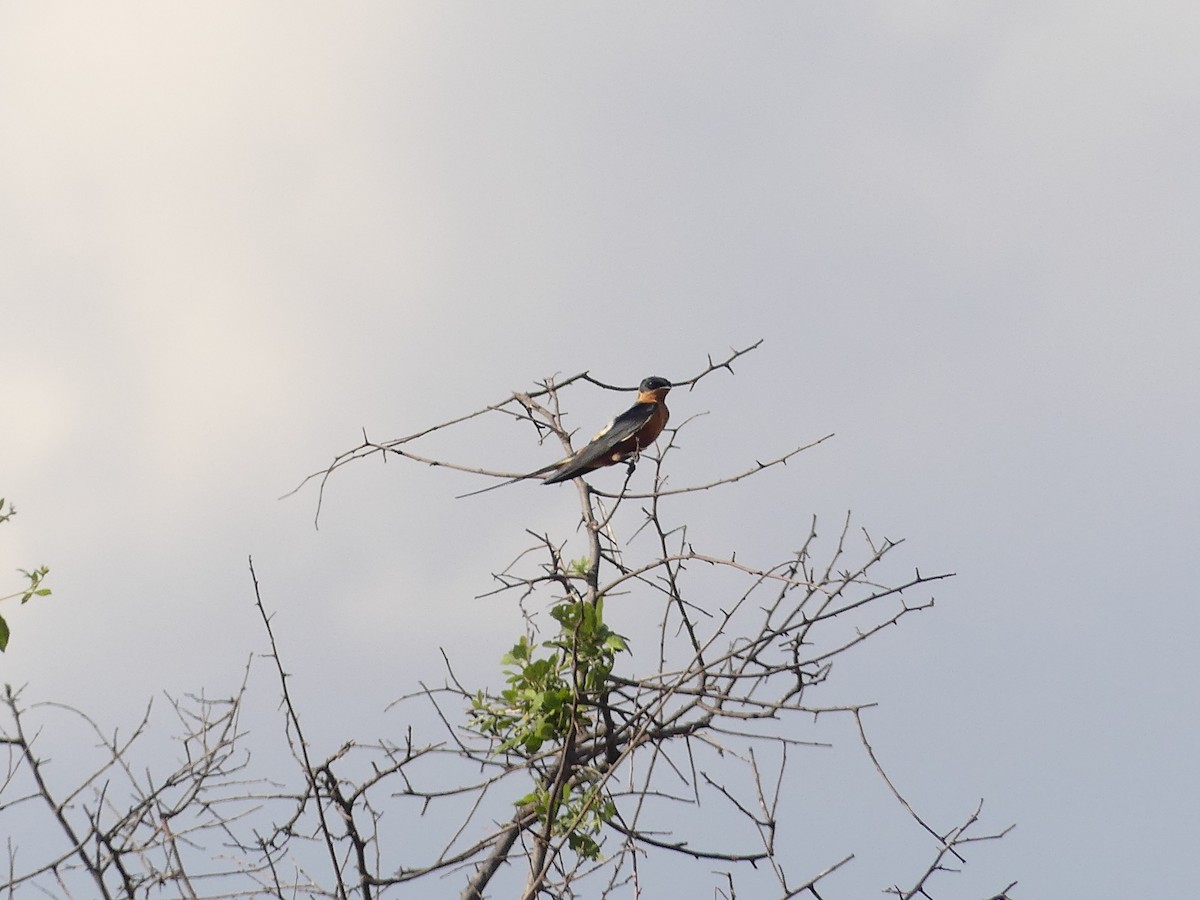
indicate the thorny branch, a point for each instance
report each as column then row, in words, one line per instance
column 519, row 405
column 666, row 749
column 127, row 834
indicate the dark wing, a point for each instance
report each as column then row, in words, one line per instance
column 621, row 429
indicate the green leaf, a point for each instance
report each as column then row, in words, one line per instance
column 3, row 634
column 615, row 642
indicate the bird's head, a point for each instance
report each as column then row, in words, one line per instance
column 654, row 385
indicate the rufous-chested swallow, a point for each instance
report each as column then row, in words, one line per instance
column 624, row 437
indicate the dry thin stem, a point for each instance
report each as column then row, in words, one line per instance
column 692, row 734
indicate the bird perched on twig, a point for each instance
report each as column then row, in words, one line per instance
column 623, row 438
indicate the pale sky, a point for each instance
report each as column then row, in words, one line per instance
column 232, row 236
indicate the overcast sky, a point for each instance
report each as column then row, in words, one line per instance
column 232, row 236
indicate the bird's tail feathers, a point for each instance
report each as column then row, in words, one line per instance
column 528, row 475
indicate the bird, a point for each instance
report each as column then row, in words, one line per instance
column 621, row 439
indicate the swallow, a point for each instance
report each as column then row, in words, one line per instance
column 623, row 438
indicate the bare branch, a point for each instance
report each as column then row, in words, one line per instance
column 600, row 751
